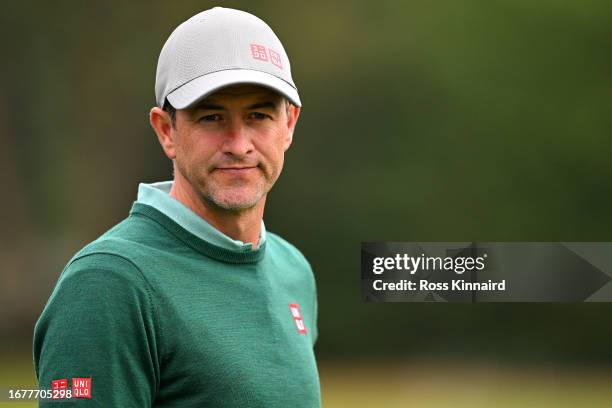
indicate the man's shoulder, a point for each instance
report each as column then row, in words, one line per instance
column 122, row 245
column 280, row 246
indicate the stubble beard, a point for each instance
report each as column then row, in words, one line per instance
column 239, row 196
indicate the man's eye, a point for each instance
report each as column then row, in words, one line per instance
column 258, row 115
column 210, row 118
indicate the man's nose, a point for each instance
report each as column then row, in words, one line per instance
column 237, row 139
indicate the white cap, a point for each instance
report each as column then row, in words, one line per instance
column 217, row 48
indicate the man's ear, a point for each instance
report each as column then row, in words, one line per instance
column 162, row 125
column 293, row 112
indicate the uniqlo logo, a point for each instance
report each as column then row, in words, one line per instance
column 262, row 53
column 259, row 52
column 81, row 387
column 297, row 317
column 275, row 58
column 58, row 388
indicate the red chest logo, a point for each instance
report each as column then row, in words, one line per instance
column 297, row 317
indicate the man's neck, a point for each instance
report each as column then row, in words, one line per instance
column 243, row 226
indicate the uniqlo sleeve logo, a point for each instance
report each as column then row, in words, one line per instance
column 58, row 388
column 259, row 52
column 297, row 317
column 275, row 58
column 81, row 387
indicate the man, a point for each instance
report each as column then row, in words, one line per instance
column 189, row 302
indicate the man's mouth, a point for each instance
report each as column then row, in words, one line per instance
column 238, row 170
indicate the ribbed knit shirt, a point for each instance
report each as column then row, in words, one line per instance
column 163, row 310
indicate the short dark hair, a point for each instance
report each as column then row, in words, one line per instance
column 171, row 112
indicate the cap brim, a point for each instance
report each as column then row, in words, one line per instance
column 200, row 87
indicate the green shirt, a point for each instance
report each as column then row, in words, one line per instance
column 157, row 316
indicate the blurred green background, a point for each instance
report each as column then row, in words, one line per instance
column 422, row 121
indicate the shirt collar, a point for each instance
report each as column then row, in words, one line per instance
column 157, row 195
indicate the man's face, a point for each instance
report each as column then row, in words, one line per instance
column 231, row 146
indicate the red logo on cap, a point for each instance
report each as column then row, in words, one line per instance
column 259, row 52
column 275, row 58
column 297, row 317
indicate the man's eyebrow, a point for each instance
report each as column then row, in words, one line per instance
column 257, row 105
